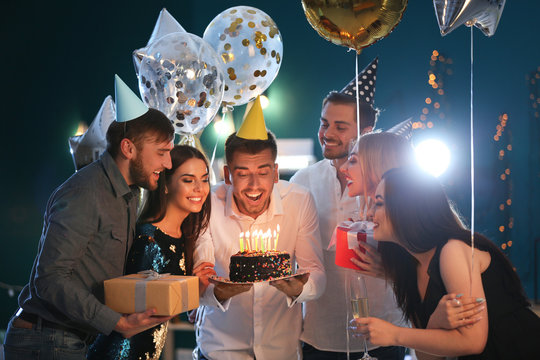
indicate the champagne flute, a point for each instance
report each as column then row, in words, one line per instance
column 359, row 301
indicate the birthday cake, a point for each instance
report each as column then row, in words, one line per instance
column 259, row 266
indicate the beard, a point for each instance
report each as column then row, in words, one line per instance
column 335, row 154
column 138, row 174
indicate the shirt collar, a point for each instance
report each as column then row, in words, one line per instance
column 274, row 208
column 118, row 182
column 333, row 171
column 332, row 167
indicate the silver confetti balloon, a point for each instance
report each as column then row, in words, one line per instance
column 181, row 76
column 251, row 50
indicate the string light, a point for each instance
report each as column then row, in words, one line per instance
column 502, row 134
column 439, row 70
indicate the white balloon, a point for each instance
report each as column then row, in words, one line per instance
column 181, row 76
column 250, row 47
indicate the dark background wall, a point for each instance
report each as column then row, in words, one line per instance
column 58, row 60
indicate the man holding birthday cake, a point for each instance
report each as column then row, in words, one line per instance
column 325, row 332
column 87, row 233
column 254, row 214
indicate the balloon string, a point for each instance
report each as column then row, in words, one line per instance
column 472, row 164
column 348, row 307
column 217, row 140
column 357, row 101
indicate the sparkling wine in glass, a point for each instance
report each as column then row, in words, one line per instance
column 359, row 303
column 360, row 307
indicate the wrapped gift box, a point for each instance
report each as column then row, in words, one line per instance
column 168, row 294
column 348, row 236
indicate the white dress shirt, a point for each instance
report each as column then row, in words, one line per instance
column 325, row 319
column 263, row 322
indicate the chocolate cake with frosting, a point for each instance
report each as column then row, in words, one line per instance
column 250, row 266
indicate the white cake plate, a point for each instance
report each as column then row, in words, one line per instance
column 222, row 280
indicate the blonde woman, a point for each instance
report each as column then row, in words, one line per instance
column 372, row 155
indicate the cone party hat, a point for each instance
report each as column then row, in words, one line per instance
column 404, row 129
column 253, row 127
column 128, row 105
column 365, row 81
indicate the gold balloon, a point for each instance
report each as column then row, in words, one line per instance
column 354, row 24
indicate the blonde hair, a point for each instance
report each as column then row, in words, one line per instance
column 379, row 152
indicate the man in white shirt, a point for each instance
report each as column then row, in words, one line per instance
column 263, row 320
column 325, row 319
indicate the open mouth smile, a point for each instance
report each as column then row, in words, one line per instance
column 253, row 196
column 330, row 143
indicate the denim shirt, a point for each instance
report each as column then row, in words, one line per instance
column 88, row 228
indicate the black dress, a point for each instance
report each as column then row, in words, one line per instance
column 155, row 250
column 514, row 330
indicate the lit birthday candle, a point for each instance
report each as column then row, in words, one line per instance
column 269, row 239
column 242, row 242
column 277, row 237
column 256, row 240
column 248, row 240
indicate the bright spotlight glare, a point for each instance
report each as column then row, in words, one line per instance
column 223, row 127
column 264, row 102
column 433, row 156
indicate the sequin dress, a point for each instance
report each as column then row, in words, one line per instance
column 152, row 249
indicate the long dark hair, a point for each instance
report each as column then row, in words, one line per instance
column 422, row 219
column 195, row 223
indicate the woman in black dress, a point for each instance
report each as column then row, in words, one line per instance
column 426, row 253
column 176, row 214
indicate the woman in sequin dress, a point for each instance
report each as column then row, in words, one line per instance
column 176, row 214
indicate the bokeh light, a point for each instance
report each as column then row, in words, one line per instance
column 264, row 101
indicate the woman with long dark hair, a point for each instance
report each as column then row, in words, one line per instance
column 175, row 215
column 426, row 253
